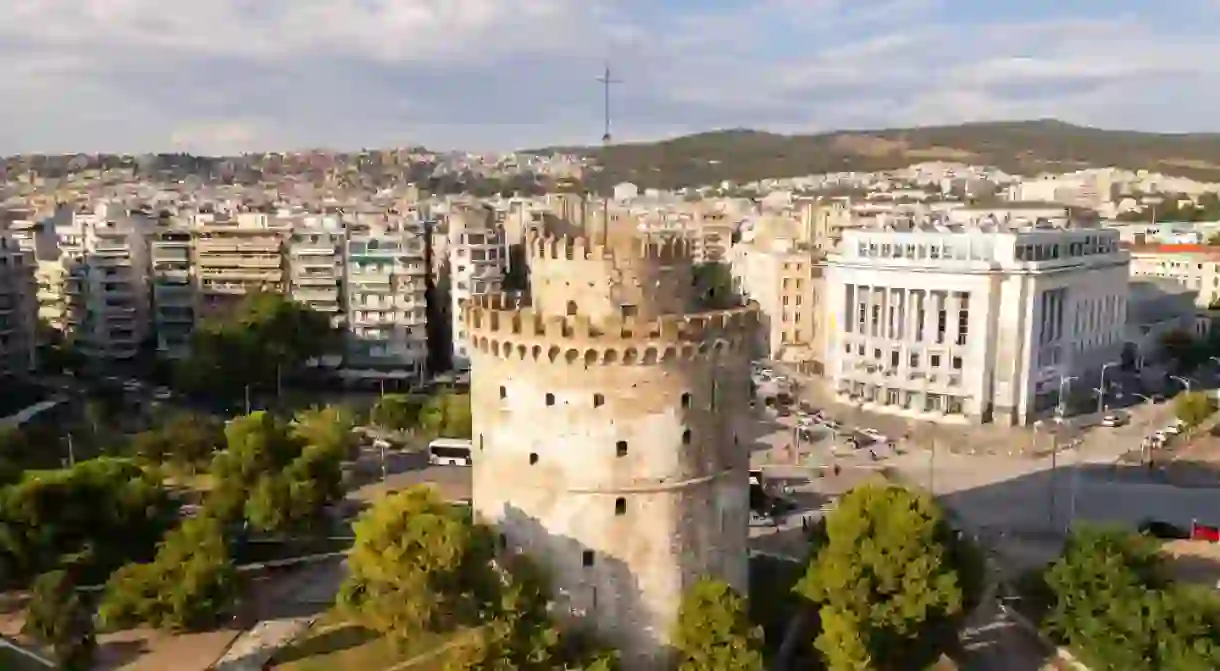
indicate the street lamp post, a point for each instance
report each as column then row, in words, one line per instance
column 1061, row 412
column 1185, row 381
column 1101, row 387
column 1145, row 448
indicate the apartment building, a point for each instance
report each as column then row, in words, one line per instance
column 315, row 262
column 18, row 304
column 385, row 286
column 236, row 254
column 103, row 284
column 970, row 325
column 1195, row 267
column 825, row 222
column 476, row 260
column 174, row 297
column 774, row 267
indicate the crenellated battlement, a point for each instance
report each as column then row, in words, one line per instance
column 661, row 249
column 499, row 328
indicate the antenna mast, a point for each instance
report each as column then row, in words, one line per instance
column 607, row 81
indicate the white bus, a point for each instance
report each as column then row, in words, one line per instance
column 449, row 452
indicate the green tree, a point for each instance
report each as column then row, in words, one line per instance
column 328, row 428
column 1113, row 604
column 1193, row 407
column 94, row 517
column 890, row 582
column 185, row 440
column 714, row 630
column 191, row 584
column 281, row 477
column 1181, row 348
column 417, row 565
column 447, row 415
column 397, row 412
column 58, row 618
column 264, row 338
column 714, row 286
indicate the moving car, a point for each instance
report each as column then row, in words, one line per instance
column 1113, row 420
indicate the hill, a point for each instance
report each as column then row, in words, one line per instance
column 1020, row 147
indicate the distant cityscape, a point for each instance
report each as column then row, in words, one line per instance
column 654, row 388
column 130, row 252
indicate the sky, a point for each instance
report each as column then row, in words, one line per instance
column 227, row 76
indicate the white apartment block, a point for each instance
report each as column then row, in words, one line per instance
column 18, row 305
column 234, row 255
column 1195, row 267
column 104, row 259
column 386, row 298
column 315, row 264
column 477, row 257
column 173, row 290
column 972, row 326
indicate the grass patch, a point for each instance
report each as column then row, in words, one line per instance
column 336, row 643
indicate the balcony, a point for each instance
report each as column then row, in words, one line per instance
column 315, row 280
column 171, row 255
column 110, row 261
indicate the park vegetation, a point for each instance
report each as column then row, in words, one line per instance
column 59, row 618
column 1111, row 600
column 1194, row 407
column 266, row 337
column 420, row 565
column 444, row 415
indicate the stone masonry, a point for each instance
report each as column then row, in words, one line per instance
column 604, row 444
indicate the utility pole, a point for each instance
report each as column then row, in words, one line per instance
column 71, row 451
column 607, row 81
column 247, row 399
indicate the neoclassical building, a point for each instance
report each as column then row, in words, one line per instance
column 973, row 325
column 604, row 431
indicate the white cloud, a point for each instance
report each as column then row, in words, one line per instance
column 228, row 75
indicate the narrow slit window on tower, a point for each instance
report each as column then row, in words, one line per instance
column 620, row 506
column 480, row 442
column 550, row 399
column 533, row 458
column 586, row 558
column 503, row 392
column 598, row 400
column 686, row 437
column 686, row 399
column 620, row 448
column 571, row 308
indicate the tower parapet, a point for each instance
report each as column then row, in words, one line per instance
column 500, row 328
column 625, row 275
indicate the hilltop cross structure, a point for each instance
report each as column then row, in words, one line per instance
column 607, row 81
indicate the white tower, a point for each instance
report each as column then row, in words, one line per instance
column 604, row 442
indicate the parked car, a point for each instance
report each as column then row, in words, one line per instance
column 1113, row 421
column 1173, row 429
column 1161, row 529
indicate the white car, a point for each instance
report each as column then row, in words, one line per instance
column 1173, row 429
column 163, row 393
column 876, row 435
column 1113, row 420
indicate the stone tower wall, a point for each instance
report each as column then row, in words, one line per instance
column 605, row 443
column 576, row 275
